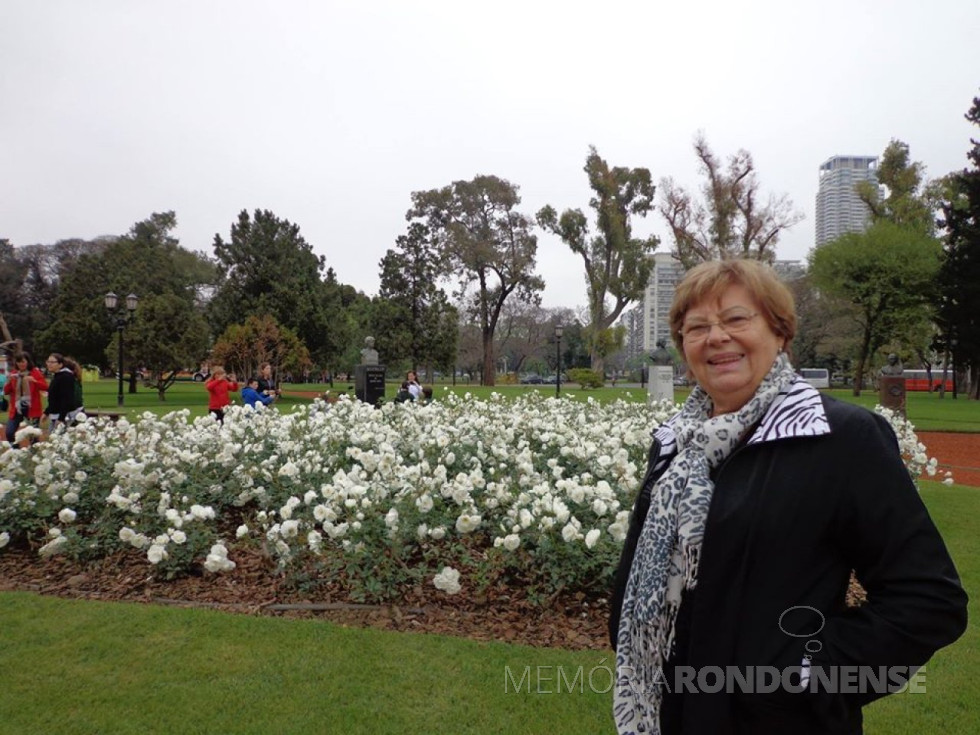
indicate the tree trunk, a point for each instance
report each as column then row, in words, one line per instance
column 862, row 361
column 599, row 365
column 132, row 381
column 489, row 370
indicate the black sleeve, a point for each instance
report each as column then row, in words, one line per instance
column 916, row 603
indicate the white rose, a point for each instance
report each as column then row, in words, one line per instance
column 66, row 515
column 447, row 580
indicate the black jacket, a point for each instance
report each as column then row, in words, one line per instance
column 62, row 396
column 789, row 520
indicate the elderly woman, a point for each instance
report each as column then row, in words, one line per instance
column 760, row 498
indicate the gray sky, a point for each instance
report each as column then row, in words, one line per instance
column 331, row 113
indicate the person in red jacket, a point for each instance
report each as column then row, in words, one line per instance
column 219, row 385
column 23, row 390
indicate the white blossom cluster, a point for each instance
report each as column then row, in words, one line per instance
column 342, row 478
column 522, row 482
column 913, row 451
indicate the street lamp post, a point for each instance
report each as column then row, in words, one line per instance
column 121, row 319
column 558, row 331
column 952, row 343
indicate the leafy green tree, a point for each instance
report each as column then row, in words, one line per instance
column 268, row 268
column 412, row 314
column 732, row 220
column 908, row 201
column 617, row 265
column 241, row 348
column 887, row 273
column 12, row 273
column 167, row 336
column 486, row 244
column 959, row 279
column 147, row 261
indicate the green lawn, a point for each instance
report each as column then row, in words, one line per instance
column 927, row 411
column 75, row 666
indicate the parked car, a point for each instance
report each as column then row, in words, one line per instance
column 532, row 379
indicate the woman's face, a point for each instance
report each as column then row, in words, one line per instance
column 730, row 366
column 21, row 365
column 53, row 363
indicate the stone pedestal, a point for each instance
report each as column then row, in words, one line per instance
column 661, row 385
column 369, row 383
column 891, row 392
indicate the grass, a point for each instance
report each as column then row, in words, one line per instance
column 927, row 411
column 74, row 666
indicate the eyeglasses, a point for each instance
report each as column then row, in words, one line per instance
column 732, row 322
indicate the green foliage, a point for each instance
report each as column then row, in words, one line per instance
column 268, row 268
column 413, row 317
column 167, row 335
column 908, row 202
column 886, row 273
column 243, row 347
column 485, row 243
column 959, row 279
column 147, row 261
column 586, row 378
column 617, row 264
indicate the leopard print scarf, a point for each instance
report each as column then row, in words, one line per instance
column 669, row 547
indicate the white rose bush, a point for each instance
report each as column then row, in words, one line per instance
column 533, row 491
column 451, row 497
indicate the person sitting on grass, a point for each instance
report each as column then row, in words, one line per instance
column 251, row 394
column 404, row 393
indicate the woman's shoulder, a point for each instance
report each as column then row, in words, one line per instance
column 845, row 417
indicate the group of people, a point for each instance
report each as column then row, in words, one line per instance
column 22, row 395
column 260, row 388
column 412, row 390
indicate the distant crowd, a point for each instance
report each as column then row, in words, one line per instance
column 27, row 417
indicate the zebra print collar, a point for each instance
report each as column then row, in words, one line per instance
column 796, row 412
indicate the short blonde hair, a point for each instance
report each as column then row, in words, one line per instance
column 710, row 279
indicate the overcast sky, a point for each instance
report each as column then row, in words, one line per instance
column 331, row 113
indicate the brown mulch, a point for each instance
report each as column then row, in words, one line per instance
column 570, row 622
column 957, row 453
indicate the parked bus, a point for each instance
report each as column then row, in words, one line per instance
column 817, row 377
column 919, row 380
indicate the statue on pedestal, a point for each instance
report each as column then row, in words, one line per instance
column 369, row 355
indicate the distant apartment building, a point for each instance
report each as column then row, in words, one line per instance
column 839, row 210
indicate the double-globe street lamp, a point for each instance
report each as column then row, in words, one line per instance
column 558, row 332
column 121, row 319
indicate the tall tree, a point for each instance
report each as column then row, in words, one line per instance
column 959, row 279
column 732, row 220
column 886, row 272
column 486, row 244
column 617, row 265
column 908, row 200
column 148, row 261
column 412, row 313
column 268, row 268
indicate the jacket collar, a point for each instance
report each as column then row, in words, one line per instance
column 796, row 412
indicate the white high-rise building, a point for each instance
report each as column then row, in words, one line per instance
column 839, row 210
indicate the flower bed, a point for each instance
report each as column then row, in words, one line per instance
column 458, row 495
